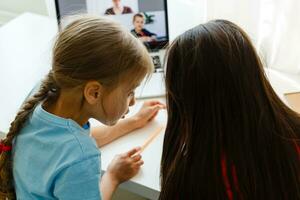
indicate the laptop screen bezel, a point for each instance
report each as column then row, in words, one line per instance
column 163, row 44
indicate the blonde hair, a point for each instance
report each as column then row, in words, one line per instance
column 89, row 48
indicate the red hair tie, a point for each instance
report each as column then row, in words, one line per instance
column 4, row 148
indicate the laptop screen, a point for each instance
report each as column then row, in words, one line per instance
column 145, row 19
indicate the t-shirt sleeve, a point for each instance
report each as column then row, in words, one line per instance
column 79, row 181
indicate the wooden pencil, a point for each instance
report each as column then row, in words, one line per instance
column 151, row 138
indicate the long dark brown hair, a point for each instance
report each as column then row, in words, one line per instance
column 222, row 111
column 89, row 48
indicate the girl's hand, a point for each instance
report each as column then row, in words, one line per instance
column 104, row 135
column 147, row 112
column 146, row 39
column 153, row 38
column 125, row 166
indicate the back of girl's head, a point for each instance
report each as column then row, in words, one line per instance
column 88, row 49
column 225, row 120
column 93, row 48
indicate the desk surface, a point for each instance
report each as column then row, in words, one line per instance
column 146, row 182
column 25, row 45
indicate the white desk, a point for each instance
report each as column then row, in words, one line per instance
column 283, row 82
column 25, row 45
column 146, row 183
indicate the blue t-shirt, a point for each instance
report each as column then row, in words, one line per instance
column 55, row 158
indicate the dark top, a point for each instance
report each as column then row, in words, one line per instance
column 126, row 10
column 143, row 33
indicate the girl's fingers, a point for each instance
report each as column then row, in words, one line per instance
column 136, row 158
column 153, row 103
column 139, row 163
column 153, row 116
column 156, row 108
column 133, row 151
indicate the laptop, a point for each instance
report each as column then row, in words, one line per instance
column 146, row 19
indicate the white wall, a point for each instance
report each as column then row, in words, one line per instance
column 273, row 26
column 9, row 9
column 244, row 13
column 185, row 14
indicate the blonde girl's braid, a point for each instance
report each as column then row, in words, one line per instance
column 48, row 89
column 88, row 48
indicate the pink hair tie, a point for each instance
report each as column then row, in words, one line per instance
column 4, row 148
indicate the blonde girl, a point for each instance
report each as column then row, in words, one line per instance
column 48, row 153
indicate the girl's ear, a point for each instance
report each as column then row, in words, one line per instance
column 92, row 92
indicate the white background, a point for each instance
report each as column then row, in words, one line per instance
column 100, row 6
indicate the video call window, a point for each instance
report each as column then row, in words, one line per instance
column 145, row 19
